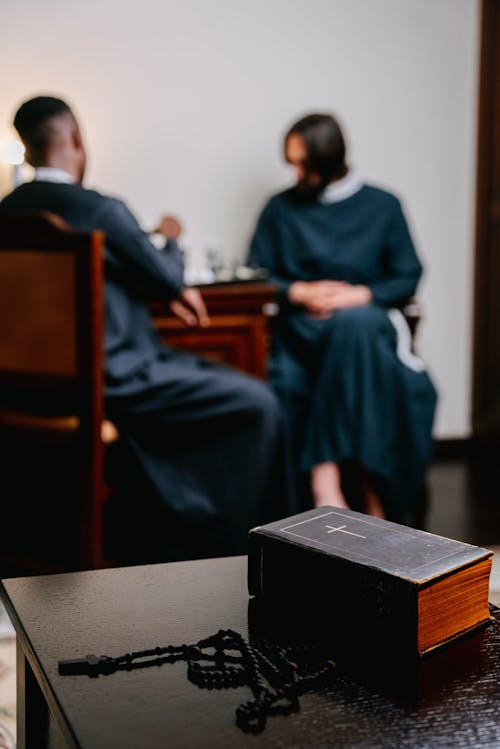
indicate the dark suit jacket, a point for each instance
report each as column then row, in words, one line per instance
column 135, row 270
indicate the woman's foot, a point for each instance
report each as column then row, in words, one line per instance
column 326, row 487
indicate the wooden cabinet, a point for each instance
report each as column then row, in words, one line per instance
column 238, row 334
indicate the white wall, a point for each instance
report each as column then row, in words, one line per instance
column 183, row 106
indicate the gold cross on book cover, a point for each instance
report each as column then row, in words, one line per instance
column 369, row 582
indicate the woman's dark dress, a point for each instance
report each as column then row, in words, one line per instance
column 348, row 395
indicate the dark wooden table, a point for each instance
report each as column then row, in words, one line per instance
column 239, row 330
column 118, row 610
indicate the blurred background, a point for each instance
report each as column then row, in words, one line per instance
column 183, row 107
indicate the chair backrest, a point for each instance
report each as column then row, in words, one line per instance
column 412, row 311
column 51, row 344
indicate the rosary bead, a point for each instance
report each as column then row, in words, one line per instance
column 275, row 675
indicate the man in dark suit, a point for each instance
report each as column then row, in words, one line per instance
column 205, row 442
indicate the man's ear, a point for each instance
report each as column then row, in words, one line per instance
column 29, row 158
column 77, row 139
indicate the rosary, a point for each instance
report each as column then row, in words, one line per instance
column 276, row 676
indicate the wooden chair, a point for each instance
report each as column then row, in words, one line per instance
column 51, row 397
column 412, row 312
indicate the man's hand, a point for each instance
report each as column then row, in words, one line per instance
column 190, row 308
column 322, row 298
column 170, row 227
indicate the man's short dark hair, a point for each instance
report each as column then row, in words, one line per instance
column 325, row 145
column 32, row 122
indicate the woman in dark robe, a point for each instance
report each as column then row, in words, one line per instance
column 355, row 394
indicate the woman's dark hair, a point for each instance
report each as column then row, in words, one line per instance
column 325, row 145
column 33, row 122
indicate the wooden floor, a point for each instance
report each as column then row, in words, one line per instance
column 464, row 499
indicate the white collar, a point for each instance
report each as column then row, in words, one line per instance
column 51, row 174
column 341, row 189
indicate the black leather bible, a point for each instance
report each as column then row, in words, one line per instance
column 370, row 582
